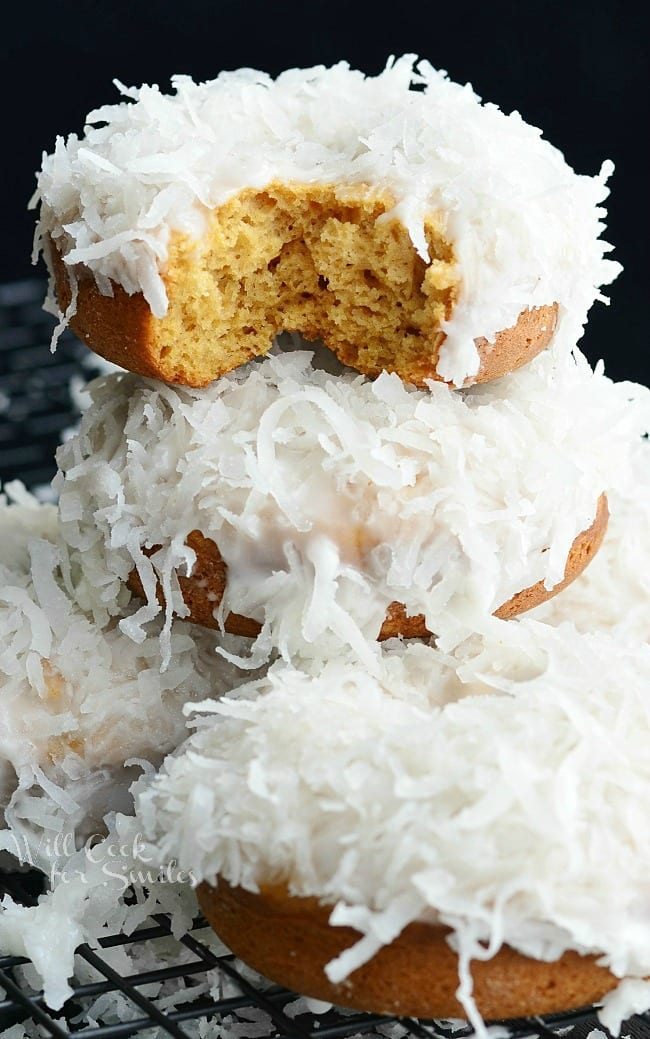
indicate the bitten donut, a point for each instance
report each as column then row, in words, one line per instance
column 379, row 307
column 423, row 842
column 329, row 498
column 396, row 218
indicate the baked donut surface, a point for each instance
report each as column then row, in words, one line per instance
column 396, row 217
column 290, row 941
column 204, row 589
column 315, row 259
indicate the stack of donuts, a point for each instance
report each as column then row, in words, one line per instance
column 352, row 425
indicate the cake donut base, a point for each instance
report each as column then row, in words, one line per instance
column 203, row 590
column 309, row 258
column 289, row 940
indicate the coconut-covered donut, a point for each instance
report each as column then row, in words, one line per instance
column 329, row 498
column 455, row 833
column 396, row 218
column 77, row 701
column 204, row 589
column 417, row 973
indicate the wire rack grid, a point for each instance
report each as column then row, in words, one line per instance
column 252, row 1000
column 35, row 409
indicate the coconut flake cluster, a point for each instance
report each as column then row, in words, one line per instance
column 329, row 497
column 84, row 713
column 525, row 227
column 613, row 593
column 82, row 707
column 504, row 795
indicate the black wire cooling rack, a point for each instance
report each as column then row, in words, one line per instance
column 35, row 409
column 273, row 1002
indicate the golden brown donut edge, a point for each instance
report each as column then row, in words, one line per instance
column 288, row 940
column 204, row 589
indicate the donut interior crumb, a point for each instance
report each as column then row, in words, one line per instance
column 325, row 261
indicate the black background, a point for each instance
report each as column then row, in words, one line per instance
column 578, row 70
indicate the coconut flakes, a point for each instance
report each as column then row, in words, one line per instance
column 78, row 701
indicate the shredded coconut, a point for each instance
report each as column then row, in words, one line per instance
column 331, row 497
column 525, row 228
column 79, row 701
column 613, row 594
column 84, row 712
column 501, row 778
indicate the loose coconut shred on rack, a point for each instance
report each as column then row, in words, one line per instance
column 413, row 230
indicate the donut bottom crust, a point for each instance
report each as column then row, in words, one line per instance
column 324, row 260
column 203, row 590
column 289, row 941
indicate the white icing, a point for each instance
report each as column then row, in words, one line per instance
column 329, row 498
column 525, row 228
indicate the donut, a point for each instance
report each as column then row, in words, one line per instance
column 78, row 700
column 290, row 940
column 329, row 498
column 377, row 292
column 396, row 218
column 204, row 589
column 422, row 842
